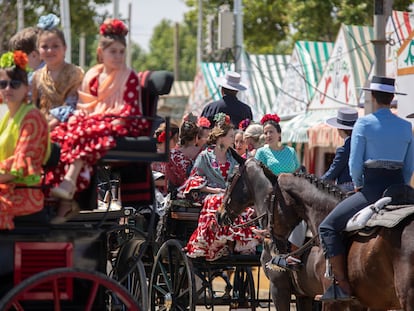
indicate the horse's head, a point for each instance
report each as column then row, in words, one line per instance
column 248, row 186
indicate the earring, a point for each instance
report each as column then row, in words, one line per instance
column 221, row 147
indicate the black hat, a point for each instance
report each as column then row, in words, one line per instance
column 382, row 84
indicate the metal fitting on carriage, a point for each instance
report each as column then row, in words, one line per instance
column 129, row 210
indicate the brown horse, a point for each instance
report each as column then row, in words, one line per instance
column 380, row 265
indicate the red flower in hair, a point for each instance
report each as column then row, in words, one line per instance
column 244, row 124
column 161, row 137
column 203, row 122
column 270, row 117
column 113, row 27
column 20, row 59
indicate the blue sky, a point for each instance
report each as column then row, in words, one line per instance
column 146, row 14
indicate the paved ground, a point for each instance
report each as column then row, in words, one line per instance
column 263, row 295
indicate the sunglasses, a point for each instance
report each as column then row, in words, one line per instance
column 14, row 84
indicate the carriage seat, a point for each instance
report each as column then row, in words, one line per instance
column 144, row 149
column 184, row 210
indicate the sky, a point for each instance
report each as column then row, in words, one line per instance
column 146, row 14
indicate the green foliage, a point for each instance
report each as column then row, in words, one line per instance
column 84, row 19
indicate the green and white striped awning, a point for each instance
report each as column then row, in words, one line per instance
column 263, row 74
column 306, row 67
column 348, row 69
column 296, row 129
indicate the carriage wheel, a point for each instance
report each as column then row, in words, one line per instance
column 130, row 272
column 96, row 288
column 243, row 295
column 172, row 281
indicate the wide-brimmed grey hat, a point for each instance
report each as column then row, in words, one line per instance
column 231, row 81
column 345, row 118
column 382, row 84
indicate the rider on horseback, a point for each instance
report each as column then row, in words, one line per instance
column 382, row 154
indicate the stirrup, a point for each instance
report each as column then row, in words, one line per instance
column 335, row 293
column 282, row 262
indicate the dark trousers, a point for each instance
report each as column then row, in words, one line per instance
column 331, row 228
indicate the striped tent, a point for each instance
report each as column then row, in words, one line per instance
column 266, row 74
column 263, row 74
column 347, row 69
column 399, row 26
column 306, row 67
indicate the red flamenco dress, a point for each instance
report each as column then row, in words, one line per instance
column 210, row 240
column 101, row 117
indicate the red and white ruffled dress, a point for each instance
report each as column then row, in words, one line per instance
column 209, row 240
column 88, row 137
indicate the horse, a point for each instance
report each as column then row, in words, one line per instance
column 380, row 264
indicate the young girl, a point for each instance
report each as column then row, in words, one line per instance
column 109, row 97
column 55, row 86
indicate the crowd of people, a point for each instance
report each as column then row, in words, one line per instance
column 84, row 113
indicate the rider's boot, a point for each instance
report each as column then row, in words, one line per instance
column 340, row 288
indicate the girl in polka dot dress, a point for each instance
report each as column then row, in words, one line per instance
column 109, row 96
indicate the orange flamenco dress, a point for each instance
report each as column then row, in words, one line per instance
column 24, row 148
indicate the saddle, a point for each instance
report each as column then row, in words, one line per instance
column 396, row 204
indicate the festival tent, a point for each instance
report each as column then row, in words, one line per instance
column 405, row 78
column 347, row 70
column 263, row 74
column 307, row 63
column 398, row 28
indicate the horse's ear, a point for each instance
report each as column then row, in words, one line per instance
column 237, row 156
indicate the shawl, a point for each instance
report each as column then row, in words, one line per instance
column 110, row 98
column 207, row 165
column 53, row 93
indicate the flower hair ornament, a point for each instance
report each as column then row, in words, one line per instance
column 14, row 59
column 113, row 27
column 48, row 22
column 203, row 122
column 244, row 124
column 161, row 137
column 221, row 118
column 270, row 117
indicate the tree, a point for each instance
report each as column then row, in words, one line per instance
column 161, row 54
column 84, row 18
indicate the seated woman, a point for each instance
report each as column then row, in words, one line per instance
column 182, row 157
column 207, row 183
column 109, row 102
column 159, row 169
column 24, row 143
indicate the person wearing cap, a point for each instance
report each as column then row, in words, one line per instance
column 382, row 154
column 338, row 171
column 229, row 103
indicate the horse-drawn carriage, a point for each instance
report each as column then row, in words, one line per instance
column 108, row 258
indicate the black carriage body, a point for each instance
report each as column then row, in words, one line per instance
column 28, row 251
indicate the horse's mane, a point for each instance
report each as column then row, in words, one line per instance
column 268, row 173
column 323, row 185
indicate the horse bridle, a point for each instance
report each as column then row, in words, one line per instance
column 230, row 214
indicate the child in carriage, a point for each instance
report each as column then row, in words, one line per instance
column 109, row 102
